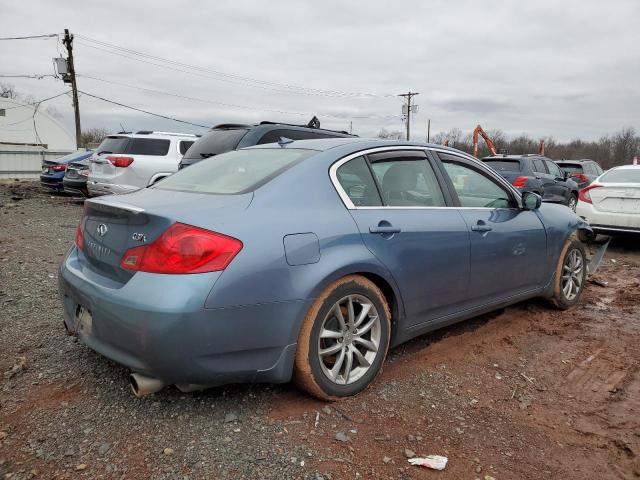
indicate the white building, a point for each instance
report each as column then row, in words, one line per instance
column 29, row 135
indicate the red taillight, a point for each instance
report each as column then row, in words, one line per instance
column 584, row 195
column 121, row 162
column 519, row 182
column 60, row 167
column 80, row 236
column 183, row 249
column 580, row 177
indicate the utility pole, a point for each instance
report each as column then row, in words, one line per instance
column 351, row 127
column 409, row 96
column 71, row 78
column 429, row 131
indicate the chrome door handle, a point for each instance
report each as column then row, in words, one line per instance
column 384, row 229
column 481, row 228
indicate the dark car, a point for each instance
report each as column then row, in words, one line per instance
column 75, row 178
column 583, row 172
column 53, row 171
column 226, row 137
column 534, row 173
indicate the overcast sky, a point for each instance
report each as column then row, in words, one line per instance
column 561, row 68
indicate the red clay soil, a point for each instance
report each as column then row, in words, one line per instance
column 527, row 393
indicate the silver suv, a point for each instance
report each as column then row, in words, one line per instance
column 127, row 162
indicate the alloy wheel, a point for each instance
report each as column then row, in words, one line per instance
column 572, row 203
column 572, row 274
column 349, row 339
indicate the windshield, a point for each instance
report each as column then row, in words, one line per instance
column 622, row 175
column 216, row 142
column 504, row 165
column 239, row 171
column 571, row 167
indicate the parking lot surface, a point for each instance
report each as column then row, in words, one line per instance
column 527, row 392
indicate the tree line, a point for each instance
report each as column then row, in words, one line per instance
column 609, row 151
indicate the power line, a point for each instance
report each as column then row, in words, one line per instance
column 39, row 77
column 229, row 77
column 143, row 111
column 28, row 37
column 232, row 105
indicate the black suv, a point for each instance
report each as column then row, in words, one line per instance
column 227, row 137
column 534, row 173
column 583, row 172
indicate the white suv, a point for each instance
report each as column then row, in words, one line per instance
column 127, row 162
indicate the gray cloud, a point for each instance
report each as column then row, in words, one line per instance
column 567, row 69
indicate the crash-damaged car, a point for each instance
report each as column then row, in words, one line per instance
column 308, row 260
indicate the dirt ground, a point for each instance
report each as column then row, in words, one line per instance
column 524, row 393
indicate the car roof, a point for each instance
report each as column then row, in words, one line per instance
column 356, row 143
column 581, row 160
column 625, row 167
column 153, row 134
column 266, row 126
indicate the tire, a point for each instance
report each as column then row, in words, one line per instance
column 315, row 373
column 565, row 297
column 573, row 202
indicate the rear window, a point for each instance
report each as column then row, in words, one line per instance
column 571, row 167
column 184, row 146
column 239, row 171
column 504, row 165
column 623, row 175
column 216, row 142
column 135, row 146
column 274, row 135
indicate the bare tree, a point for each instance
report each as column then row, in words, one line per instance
column 94, row 135
column 390, row 135
column 8, row 91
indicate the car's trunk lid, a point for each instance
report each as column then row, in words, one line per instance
column 114, row 224
column 618, row 198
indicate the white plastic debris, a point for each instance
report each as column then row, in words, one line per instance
column 435, row 462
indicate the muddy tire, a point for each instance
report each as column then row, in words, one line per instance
column 343, row 340
column 570, row 276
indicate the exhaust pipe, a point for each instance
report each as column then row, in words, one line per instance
column 141, row 385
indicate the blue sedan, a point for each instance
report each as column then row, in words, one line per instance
column 308, row 260
column 53, row 170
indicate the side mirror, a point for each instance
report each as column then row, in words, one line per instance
column 531, row 201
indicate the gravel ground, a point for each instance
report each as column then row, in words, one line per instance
column 527, row 392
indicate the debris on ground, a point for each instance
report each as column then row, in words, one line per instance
column 18, row 366
column 435, row 462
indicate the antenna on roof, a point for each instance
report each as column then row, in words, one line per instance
column 314, row 122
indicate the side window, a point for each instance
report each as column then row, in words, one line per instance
column 149, row 146
column 474, row 189
column 356, row 180
column 554, row 169
column 184, row 146
column 407, row 182
column 538, row 165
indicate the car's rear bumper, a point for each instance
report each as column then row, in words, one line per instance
column 105, row 188
column 157, row 325
column 609, row 221
column 75, row 186
column 51, row 182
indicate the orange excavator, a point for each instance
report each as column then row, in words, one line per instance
column 479, row 131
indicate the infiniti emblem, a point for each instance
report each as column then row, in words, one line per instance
column 102, row 230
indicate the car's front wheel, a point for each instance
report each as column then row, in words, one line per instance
column 343, row 340
column 571, row 274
